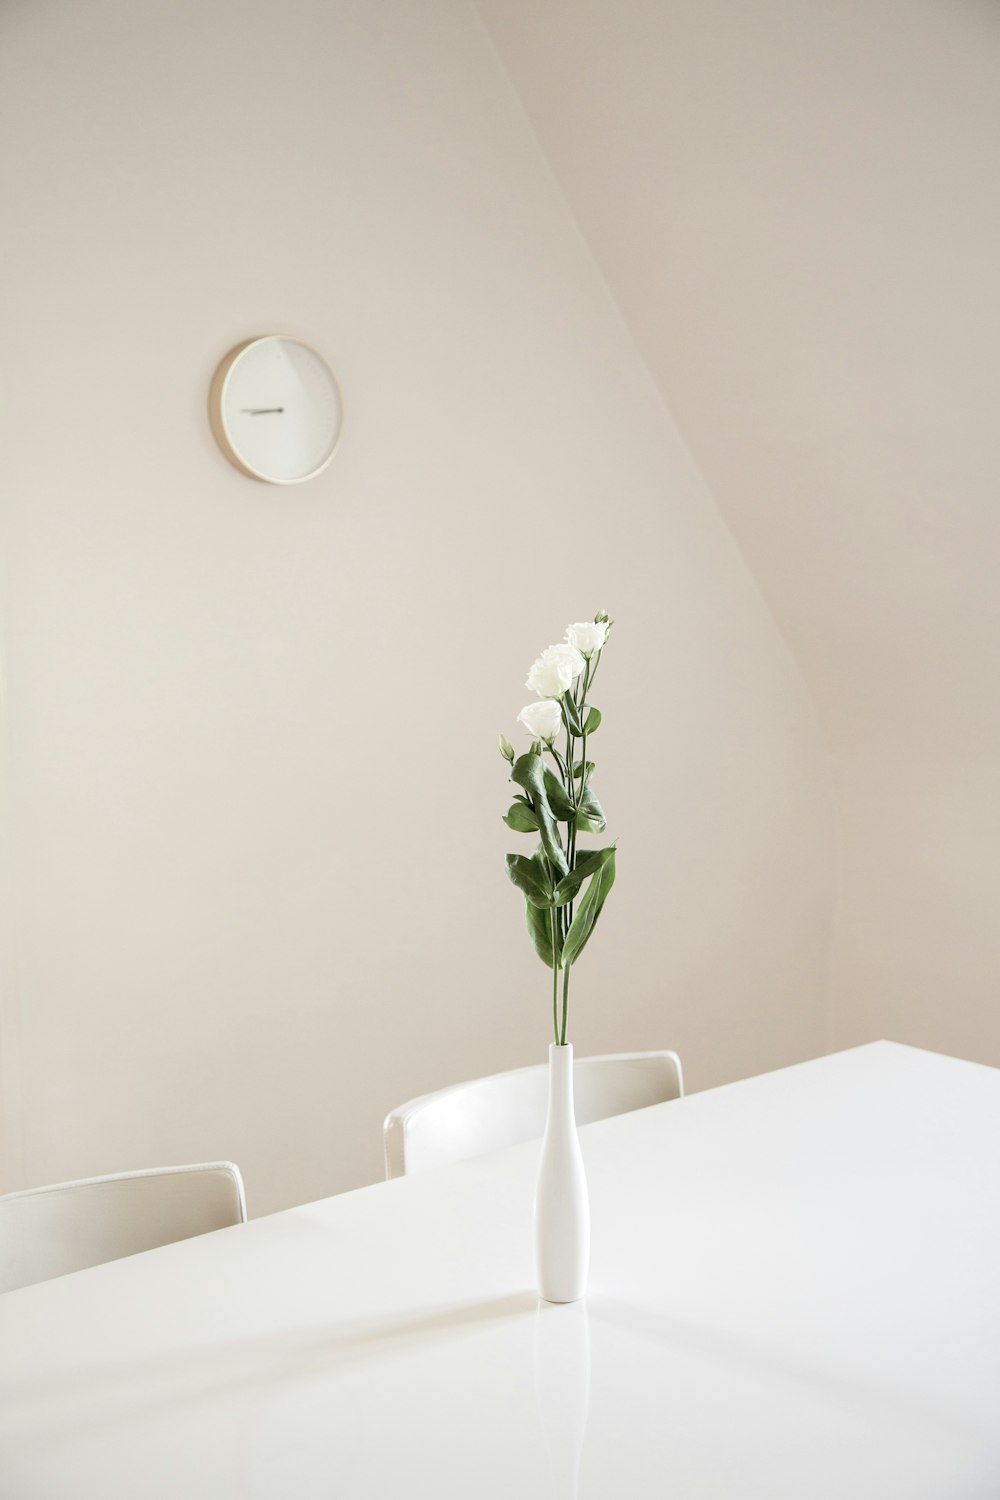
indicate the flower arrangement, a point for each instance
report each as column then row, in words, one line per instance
column 564, row 887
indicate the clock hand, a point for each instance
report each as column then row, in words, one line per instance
column 261, row 411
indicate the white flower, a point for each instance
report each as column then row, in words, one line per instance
column 587, row 636
column 555, row 671
column 542, row 720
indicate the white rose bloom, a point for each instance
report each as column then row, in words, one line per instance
column 587, row 636
column 555, row 671
column 542, row 720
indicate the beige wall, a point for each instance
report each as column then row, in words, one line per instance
column 254, row 846
column 796, row 209
column 917, row 950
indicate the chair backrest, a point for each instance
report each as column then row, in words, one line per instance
column 49, row 1231
column 486, row 1114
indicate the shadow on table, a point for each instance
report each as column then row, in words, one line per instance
column 121, row 1390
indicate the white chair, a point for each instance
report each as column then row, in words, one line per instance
column 50, row 1231
column 507, row 1108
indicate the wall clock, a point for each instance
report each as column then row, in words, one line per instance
column 275, row 409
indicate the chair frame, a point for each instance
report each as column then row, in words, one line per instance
column 86, row 1182
column 397, row 1122
column 11, row 1277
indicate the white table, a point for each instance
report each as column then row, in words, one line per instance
column 795, row 1292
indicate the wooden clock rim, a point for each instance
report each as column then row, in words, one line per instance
column 216, row 410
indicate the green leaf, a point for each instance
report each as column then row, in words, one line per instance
column 559, row 802
column 592, row 720
column 586, row 915
column 544, row 874
column 590, row 818
column 521, row 816
column 586, row 864
column 541, row 925
column 583, row 767
column 529, row 879
column 528, row 772
column 571, row 716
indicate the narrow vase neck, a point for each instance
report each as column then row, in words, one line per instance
column 560, row 1078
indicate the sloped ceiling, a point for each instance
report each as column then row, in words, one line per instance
column 797, row 207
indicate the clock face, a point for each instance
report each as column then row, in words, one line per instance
column 276, row 410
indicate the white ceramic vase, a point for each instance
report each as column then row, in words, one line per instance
column 562, row 1207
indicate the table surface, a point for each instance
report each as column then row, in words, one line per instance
column 795, row 1292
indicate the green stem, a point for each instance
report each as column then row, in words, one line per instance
column 558, row 760
column 566, row 912
column 568, row 909
column 592, row 666
column 555, row 978
column 587, row 680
